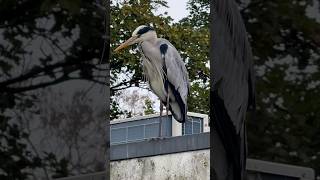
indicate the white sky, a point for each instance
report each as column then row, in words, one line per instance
column 177, row 9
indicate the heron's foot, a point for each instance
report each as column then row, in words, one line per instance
column 151, row 139
column 162, row 138
column 157, row 138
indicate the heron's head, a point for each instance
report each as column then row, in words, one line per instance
column 140, row 34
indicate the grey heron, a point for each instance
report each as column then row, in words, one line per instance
column 232, row 91
column 164, row 70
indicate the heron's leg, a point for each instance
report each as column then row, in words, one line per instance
column 167, row 107
column 160, row 121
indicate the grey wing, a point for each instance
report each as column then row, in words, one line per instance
column 233, row 83
column 176, row 72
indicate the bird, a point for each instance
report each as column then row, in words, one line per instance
column 164, row 70
column 232, row 90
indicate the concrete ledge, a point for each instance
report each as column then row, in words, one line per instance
column 155, row 147
column 92, row 176
column 303, row 173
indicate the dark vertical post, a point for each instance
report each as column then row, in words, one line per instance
column 106, row 4
column 212, row 136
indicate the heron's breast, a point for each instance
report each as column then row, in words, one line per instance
column 157, row 87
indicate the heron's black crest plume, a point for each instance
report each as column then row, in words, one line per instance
column 144, row 30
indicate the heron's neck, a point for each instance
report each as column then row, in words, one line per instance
column 152, row 40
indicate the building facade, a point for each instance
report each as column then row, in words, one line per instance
column 183, row 153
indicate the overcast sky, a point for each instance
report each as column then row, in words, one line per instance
column 177, row 9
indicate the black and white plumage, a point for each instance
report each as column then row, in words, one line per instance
column 164, row 70
column 232, row 91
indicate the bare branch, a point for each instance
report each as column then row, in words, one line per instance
column 42, row 85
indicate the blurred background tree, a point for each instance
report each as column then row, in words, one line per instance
column 49, row 67
column 148, row 108
column 285, row 40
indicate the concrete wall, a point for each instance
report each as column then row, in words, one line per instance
column 179, row 166
column 182, row 158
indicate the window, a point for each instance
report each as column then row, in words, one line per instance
column 193, row 125
column 135, row 133
column 152, row 130
column 139, row 130
column 118, row 135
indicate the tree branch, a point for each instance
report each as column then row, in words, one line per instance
column 37, row 70
column 42, row 85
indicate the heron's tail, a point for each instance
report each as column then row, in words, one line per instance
column 177, row 106
column 179, row 115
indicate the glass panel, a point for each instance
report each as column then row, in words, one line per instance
column 197, row 120
column 196, row 127
column 118, row 135
column 152, row 130
column 166, row 126
column 188, row 127
column 135, row 133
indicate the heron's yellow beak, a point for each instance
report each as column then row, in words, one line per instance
column 128, row 42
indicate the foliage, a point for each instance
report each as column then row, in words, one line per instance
column 148, row 108
column 13, row 152
column 133, row 102
column 287, row 63
column 115, row 110
column 17, row 160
